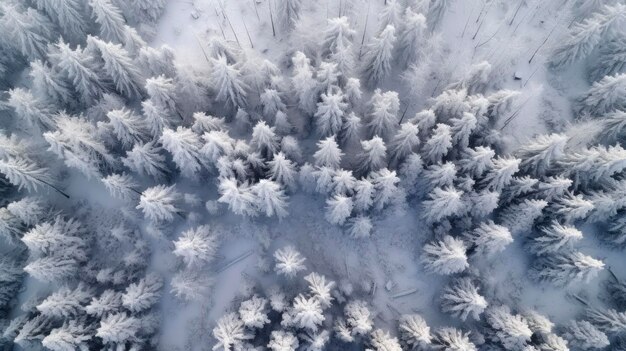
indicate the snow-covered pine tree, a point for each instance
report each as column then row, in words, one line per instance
column 447, row 256
column 364, row 195
column 442, row 203
column 271, row 198
column 510, row 330
column 283, row 341
column 109, row 18
column 337, row 34
column 451, row 339
column 414, row 332
column 303, row 82
column 288, row 12
column 67, row 14
column 282, row 170
column 412, row 38
column 584, row 37
column 109, row 302
column 65, row 302
column 52, row 268
column 436, row 10
column 155, row 62
column 520, row 217
column 119, row 65
column 33, row 112
column 378, row 56
column 143, row 294
column 564, row 268
column 147, row 10
column 27, row 31
column 605, row 95
column 157, row 117
column 381, row 340
column 344, row 182
column 82, row 69
column 128, row 127
column 196, row 246
column 230, row 332
column 184, row 145
column 373, row 155
column 439, row 143
column 571, row 207
column 489, row 238
column 554, row 239
column 383, row 113
column 121, row 186
column 240, row 198
column 264, row 139
column 271, row 102
column 328, row 153
column 159, row 203
column 74, row 334
column 26, row 174
column 338, row 209
column 147, row 160
column 609, row 321
column 119, row 328
column 288, row 261
column 540, row 155
column 501, row 173
column 329, row 114
column 227, row 83
column 48, row 84
column 585, row 336
column 461, row 299
column 611, row 58
column 462, row 129
column 253, row 312
column 385, row 182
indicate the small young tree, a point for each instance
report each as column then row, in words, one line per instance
column 442, row 203
column 227, row 82
column 320, row 288
column 288, row 262
column 384, row 113
column 565, row 268
column 271, row 199
column 360, row 227
column 184, row 145
column 439, row 143
column 489, row 238
column 196, row 246
column 414, row 332
column 446, row 256
column 338, row 209
column 159, row 203
column 328, row 153
column 373, row 155
column 240, row 199
column 143, row 294
column 377, row 60
column 330, row 112
column 461, row 299
column 512, row 331
column 605, row 95
column 353, row 91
